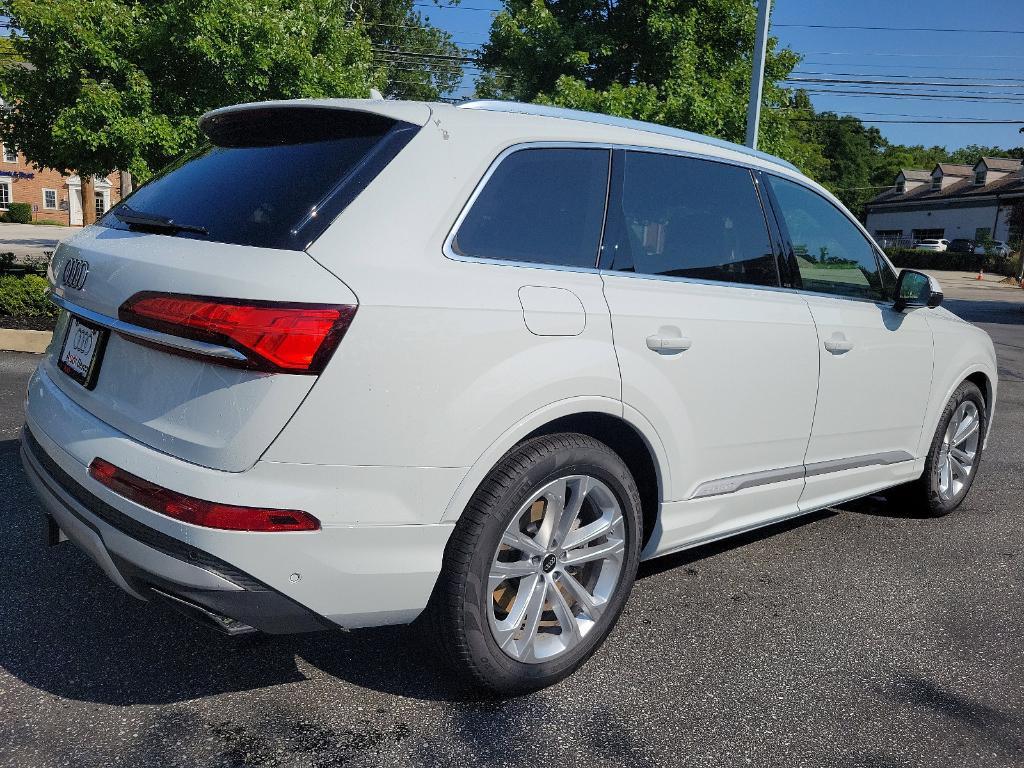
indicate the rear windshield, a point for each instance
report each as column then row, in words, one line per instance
column 274, row 178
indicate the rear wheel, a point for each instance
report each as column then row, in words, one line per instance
column 540, row 564
column 955, row 454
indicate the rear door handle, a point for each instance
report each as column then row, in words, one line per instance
column 659, row 343
column 837, row 345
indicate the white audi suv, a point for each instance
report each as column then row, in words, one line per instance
column 365, row 362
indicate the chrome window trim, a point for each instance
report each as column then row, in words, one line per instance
column 450, row 253
column 146, row 334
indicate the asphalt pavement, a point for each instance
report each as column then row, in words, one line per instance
column 858, row 636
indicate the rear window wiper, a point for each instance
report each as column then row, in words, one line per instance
column 153, row 221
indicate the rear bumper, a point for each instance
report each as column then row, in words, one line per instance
column 189, row 579
column 350, row 575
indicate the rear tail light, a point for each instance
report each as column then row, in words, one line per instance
column 188, row 509
column 277, row 338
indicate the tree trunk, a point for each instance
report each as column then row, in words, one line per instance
column 126, row 184
column 88, row 199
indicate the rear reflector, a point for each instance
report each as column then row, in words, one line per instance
column 209, row 514
column 278, row 338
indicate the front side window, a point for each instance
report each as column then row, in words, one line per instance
column 832, row 254
column 539, row 206
column 50, row 198
column 683, row 217
column 5, row 195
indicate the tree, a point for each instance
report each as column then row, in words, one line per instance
column 111, row 84
column 420, row 60
column 684, row 63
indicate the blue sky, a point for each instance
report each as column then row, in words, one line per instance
column 990, row 66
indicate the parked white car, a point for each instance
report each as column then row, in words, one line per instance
column 996, row 248
column 473, row 364
column 932, row 245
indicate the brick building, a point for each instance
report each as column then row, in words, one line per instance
column 53, row 196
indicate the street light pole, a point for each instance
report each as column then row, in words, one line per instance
column 764, row 8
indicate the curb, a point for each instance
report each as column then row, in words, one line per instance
column 24, row 341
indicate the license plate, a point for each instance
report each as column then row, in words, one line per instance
column 82, row 351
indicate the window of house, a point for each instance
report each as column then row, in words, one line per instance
column 5, row 195
column 936, row 183
column 901, row 187
column 979, row 178
column 928, row 234
column 832, row 254
column 101, row 204
column 540, row 206
column 50, row 199
column 10, row 155
column 682, row 217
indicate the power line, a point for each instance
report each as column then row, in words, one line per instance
column 907, row 55
column 933, row 77
column 914, row 122
column 791, row 79
column 906, row 29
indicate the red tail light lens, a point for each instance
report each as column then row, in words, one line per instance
column 280, row 338
column 209, row 514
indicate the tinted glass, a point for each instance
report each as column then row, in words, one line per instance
column 832, row 254
column 263, row 175
column 689, row 218
column 541, row 206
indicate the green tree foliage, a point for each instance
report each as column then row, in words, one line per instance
column 111, row 84
column 684, row 63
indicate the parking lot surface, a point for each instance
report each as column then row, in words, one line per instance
column 858, row 636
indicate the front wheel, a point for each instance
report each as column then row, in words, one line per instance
column 540, row 565
column 955, row 454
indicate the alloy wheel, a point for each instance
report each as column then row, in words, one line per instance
column 959, row 450
column 556, row 568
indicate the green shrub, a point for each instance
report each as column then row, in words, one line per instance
column 24, row 297
column 19, row 213
column 909, row 258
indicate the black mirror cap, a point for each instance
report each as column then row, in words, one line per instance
column 935, row 299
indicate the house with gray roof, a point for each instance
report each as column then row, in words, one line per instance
column 951, row 201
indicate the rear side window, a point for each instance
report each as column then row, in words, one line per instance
column 270, row 177
column 832, row 254
column 539, row 206
column 684, row 217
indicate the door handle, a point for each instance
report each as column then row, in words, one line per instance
column 659, row 343
column 838, row 345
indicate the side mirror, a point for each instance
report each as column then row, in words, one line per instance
column 916, row 289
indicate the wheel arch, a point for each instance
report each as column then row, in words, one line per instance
column 624, row 430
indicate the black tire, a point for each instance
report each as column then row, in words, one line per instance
column 923, row 495
column 457, row 615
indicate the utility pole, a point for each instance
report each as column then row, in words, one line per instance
column 764, row 9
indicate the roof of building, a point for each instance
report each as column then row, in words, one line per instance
column 964, row 189
column 955, row 169
column 916, row 174
column 1002, row 163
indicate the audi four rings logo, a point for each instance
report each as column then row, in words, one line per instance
column 83, row 341
column 75, row 272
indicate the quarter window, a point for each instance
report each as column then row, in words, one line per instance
column 540, row 206
column 832, row 254
column 50, row 198
column 683, row 217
